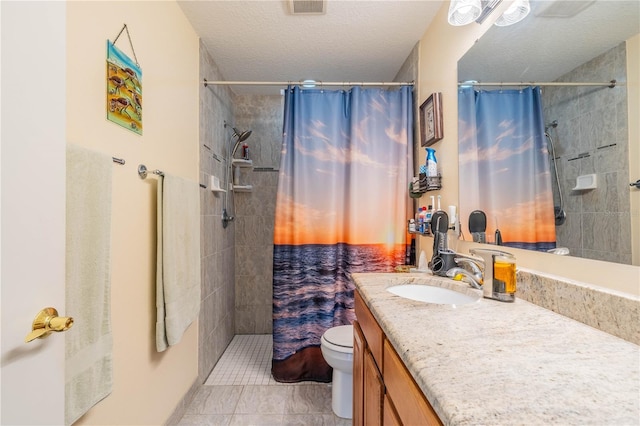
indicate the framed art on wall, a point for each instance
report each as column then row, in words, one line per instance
column 431, row 120
column 124, row 87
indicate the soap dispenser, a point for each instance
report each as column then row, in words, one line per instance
column 499, row 280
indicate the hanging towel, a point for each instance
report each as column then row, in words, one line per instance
column 178, row 259
column 88, row 344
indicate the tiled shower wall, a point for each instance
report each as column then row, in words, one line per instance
column 216, row 320
column 592, row 137
column 409, row 72
column 255, row 212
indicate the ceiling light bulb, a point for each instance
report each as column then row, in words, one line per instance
column 463, row 12
column 518, row 10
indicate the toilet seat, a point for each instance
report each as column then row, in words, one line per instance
column 339, row 339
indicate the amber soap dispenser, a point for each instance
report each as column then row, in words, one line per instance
column 499, row 281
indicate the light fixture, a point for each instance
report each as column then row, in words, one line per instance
column 488, row 6
column 518, row 10
column 463, row 12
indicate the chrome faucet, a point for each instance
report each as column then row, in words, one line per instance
column 467, row 277
column 475, row 264
column 472, row 274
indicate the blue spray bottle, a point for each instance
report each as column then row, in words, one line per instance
column 432, row 163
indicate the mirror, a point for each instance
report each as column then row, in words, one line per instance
column 579, row 41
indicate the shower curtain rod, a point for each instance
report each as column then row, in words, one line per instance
column 610, row 84
column 302, row 83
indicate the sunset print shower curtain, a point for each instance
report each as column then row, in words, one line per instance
column 504, row 166
column 341, row 207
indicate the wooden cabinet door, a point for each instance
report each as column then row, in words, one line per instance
column 370, row 329
column 411, row 405
column 359, row 348
column 373, row 391
column 389, row 414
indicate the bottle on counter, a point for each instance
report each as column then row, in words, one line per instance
column 423, row 219
column 428, row 217
column 418, row 223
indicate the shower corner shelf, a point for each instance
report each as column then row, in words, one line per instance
column 240, row 162
column 242, row 188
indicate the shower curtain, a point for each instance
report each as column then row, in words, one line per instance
column 504, row 165
column 341, row 207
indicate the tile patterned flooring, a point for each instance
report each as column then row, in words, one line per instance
column 241, row 391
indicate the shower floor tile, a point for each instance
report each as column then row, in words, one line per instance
column 246, row 361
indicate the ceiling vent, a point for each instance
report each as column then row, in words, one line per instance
column 307, row 7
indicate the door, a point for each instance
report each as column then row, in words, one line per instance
column 32, row 189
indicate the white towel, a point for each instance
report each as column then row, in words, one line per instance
column 88, row 344
column 178, row 259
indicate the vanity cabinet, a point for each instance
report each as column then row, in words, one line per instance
column 358, row 375
column 384, row 393
column 368, row 389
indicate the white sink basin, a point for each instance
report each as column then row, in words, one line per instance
column 432, row 294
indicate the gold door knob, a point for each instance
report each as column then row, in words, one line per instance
column 47, row 321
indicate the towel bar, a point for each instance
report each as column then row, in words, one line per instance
column 142, row 171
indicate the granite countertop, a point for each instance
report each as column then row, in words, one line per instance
column 500, row 363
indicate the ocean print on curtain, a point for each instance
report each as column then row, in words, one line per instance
column 504, row 165
column 341, row 207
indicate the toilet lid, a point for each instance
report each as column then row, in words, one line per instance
column 340, row 336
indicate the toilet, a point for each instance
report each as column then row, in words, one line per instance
column 336, row 345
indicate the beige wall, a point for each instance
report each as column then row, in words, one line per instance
column 147, row 385
column 440, row 48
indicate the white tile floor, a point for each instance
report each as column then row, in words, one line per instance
column 241, row 391
column 246, row 361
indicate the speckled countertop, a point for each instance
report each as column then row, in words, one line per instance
column 496, row 363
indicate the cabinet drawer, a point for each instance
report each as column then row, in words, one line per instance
column 370, row 328
column 411, row 405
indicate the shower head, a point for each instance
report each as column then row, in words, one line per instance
column 553, row 124
column 242, row 136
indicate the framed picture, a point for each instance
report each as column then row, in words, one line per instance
column 431, row 120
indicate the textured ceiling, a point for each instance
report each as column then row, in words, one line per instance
column 543, row 48
column 368, row 40
column 355, row 41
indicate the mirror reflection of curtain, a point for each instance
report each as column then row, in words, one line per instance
column 342, row 205
column 504, row 165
